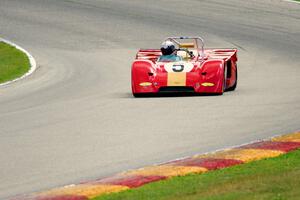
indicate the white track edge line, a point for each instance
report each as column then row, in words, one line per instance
column 32, row 62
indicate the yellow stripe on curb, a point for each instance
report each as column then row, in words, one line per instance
column 245, row 155
column 167, row 171
column 89, row 191
column 293, row 137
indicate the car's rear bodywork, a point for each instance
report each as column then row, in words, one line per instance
column 208, row 71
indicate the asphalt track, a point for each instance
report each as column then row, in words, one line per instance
column 75, row 118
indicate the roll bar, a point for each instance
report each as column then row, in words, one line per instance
column 197, row 41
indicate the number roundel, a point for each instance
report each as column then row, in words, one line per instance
column 178, row 67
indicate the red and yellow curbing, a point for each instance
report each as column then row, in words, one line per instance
column 195, row 164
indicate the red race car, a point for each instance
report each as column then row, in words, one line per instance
column 183, row 65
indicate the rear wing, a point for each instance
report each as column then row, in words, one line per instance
column 209, row 53
column 148, row 54
column 224, row 54
column 191, row 43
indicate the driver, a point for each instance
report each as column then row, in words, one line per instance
column 168, row 52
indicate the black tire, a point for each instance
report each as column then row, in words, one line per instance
column 136, row 95
column 232, row 88
column 139, row 95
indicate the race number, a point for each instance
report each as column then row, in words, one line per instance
column 178, row 68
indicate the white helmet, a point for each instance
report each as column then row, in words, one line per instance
column 167, row 47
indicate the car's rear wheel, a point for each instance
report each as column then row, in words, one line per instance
column 235, row 83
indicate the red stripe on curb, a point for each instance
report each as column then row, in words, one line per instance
column 208, row 163
column 280, row 146
column 62, row 197
column 131, row 181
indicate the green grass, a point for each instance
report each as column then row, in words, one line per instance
column 13, row 63
column 270, row 179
